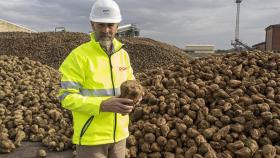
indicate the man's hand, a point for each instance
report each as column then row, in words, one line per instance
column 118, row 105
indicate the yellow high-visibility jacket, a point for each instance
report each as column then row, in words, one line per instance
column 90, row 76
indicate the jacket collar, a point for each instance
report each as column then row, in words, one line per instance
column 117, row 45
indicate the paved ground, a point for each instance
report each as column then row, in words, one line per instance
column 30, row 150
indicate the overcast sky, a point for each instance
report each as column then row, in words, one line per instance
column 177, row 22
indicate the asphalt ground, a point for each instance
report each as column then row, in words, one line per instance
column 31, row 149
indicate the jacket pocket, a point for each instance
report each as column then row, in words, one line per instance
column 85, row 127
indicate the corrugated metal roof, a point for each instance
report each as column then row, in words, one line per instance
column 125, row 26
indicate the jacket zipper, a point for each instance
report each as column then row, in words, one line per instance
column 112, row 79
column 114, row 92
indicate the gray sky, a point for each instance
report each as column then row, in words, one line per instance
column 177, row 22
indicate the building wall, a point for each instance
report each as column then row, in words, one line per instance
column 8, row 27
column 269, row 36
column 262, row 47
column 276, row 39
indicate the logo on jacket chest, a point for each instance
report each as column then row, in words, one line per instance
column 122, row 68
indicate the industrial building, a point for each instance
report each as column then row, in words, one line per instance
column 272, row 39
column 129, row 30
column 259, row 46
column 6, row 26
column 199, row 48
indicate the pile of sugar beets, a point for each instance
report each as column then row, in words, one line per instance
column 219, row 106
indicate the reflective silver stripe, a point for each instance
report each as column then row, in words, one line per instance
column 64, row 95
column 93, row 92
column 118, row 91
column 70, row 85
column 100, row 92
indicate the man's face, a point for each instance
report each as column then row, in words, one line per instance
column 104, row 31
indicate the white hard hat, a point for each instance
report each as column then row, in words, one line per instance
column 105, row 11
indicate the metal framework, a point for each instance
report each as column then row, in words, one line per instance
column 237, row 43
column 59, row 29
column 129, row 30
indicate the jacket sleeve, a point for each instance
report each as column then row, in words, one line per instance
column 73, row 74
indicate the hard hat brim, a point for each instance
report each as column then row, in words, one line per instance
column 107, row 20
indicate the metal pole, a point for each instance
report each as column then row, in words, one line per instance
column 237, row 22
column 236, row 40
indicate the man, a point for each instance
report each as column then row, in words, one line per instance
column 91, row 79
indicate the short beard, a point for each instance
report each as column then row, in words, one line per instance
column 106, row 45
